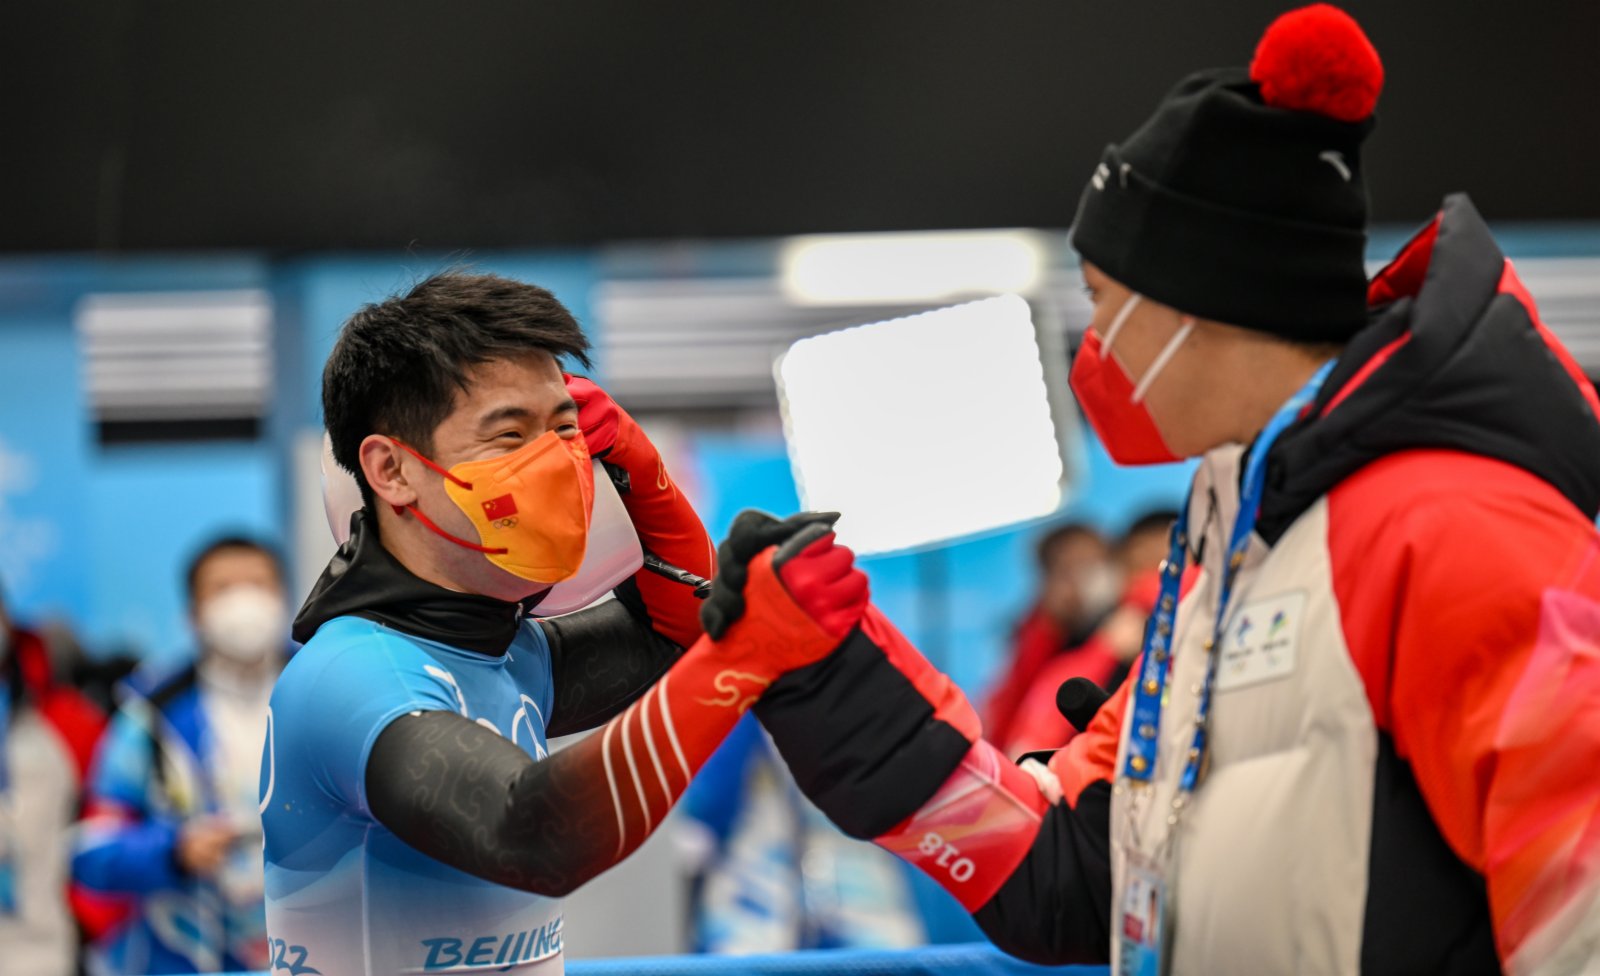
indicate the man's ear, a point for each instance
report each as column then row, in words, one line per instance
column 382, row 464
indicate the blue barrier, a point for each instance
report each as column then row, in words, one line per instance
column 952, row 960
column 955, row 960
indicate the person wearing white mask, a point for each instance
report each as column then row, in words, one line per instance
column 173, row 818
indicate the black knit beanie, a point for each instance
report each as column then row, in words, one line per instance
column 1241, row 200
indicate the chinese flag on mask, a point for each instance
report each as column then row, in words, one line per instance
column 498, row 508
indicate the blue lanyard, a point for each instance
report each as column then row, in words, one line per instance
column 1156, row 664
column 5, row 728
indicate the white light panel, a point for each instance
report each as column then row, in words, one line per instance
column 923, row 429
column 865, row 269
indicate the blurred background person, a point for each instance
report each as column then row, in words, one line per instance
column 47, row 736
column 1131, row 573
column 1078, row 585
column 94, row 675
column 174, row 820
column 1138, row 555
column 1140, row 550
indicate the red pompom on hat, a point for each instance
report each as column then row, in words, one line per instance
column 1317, row 59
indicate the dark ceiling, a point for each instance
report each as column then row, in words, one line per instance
column 286, row 125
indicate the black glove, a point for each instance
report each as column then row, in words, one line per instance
column 753, row 532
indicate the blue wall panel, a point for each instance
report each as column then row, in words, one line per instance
column 150, row 509
column 44, row 467
column 98, row 535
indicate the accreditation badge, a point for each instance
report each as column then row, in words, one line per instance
column 1143, row 919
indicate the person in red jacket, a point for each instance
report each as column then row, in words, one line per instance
column 1364, row 738
column 1104, row 657
column 48, row 733
column 1077, row 587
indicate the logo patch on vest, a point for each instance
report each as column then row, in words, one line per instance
column 1263, row 642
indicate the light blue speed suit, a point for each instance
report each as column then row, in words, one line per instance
column 343, row 892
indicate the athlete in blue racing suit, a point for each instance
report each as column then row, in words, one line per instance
column 413, row 821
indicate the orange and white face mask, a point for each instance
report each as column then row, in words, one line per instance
column 531, row 507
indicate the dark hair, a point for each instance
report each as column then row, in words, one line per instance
column 224, row 544
column 1159, row 520
column 398, row 363
column 1060, row 536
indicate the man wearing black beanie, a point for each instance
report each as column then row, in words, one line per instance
column 1364, row 733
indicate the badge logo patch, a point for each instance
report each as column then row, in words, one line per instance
column 1263, row 643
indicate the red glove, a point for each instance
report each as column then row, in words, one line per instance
column 775, row 609
column 664, row 520
column 784, row 598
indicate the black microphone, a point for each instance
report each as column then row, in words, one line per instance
column 1078, row 699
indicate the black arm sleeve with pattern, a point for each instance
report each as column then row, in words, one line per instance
column 603, row 658
column 463, row 795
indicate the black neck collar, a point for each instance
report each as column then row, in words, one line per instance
column 365, row 580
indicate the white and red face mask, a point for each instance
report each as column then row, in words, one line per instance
column 1113, row 402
